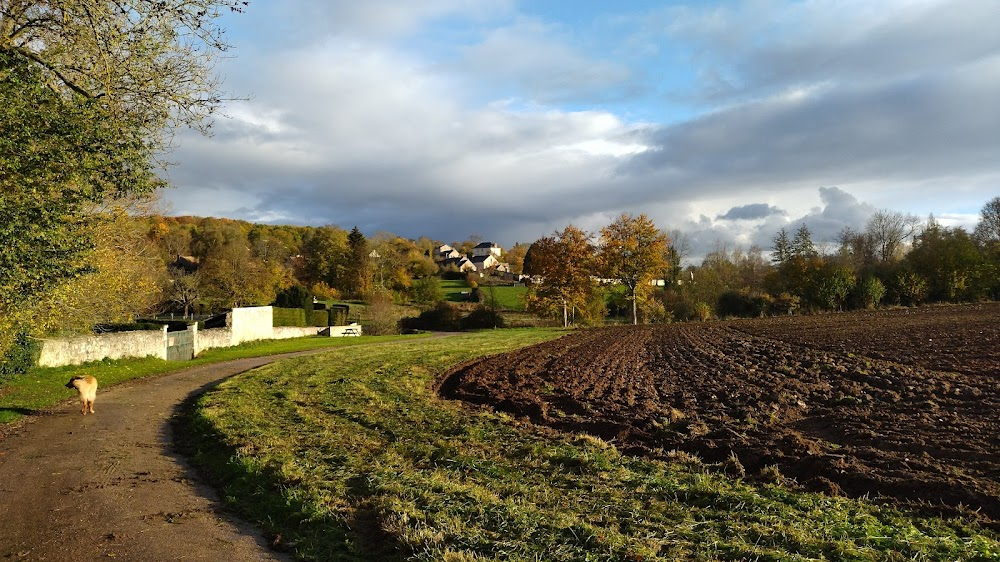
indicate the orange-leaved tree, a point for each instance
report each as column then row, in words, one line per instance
column 564, row 266
column 633, row 252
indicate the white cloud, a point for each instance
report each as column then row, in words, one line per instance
column 406, row 117
column 531, row 57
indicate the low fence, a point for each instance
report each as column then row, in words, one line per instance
column 242, row 325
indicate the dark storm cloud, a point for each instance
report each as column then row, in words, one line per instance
column 914, row 129
column 753, row 211
column 742, row 50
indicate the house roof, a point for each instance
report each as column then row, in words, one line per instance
column 487, row 245
column 479, row 259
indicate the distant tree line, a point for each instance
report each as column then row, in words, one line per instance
column 897, row 259
column 634, row 271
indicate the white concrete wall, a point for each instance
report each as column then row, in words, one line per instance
column 243, row 324
column 251, row 324
column 210, row 339
column 57, row 352
column 288, row 332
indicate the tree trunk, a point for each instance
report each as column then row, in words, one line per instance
column 635, row 313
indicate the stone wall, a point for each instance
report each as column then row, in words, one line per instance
column 81, row 349
column 242, row 325
column 209, row 339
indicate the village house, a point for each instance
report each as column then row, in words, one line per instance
column 485, row 258
column 445, row 252
column 460, row 263
column 487, row 249
column 483, row 263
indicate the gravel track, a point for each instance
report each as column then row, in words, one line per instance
column 111, row 486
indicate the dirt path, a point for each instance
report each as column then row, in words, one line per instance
column 110, row 485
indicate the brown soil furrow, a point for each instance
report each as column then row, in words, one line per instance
column 848, row 404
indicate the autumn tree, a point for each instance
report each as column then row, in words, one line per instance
column 953, row 265
column 797, row 265
column 802, row 244
column 678, row 250
column 563, row 264
column 147, row 64
column 324, row 257
column 90, row 93
column 231, row 274
column 514, row 257
column 633, row 252
column 123, row 281
column 889, row 231
column 56, row 168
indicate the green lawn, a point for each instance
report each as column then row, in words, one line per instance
column 350, row 456
column 43, row 388
column 453, row 289
column 508, row 298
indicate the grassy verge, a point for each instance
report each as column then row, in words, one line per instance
column 42, row 388
column 349, row 456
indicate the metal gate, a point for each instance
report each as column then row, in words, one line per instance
column 180, row 345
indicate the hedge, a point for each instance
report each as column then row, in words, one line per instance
column 339, row 314
column 289, row 317
column 320, row 318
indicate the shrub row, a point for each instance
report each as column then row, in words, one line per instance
column 321, row 318
column 289, row 317
column 448, row 318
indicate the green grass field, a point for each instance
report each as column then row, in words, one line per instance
column 43, row 388
column 349, row 456
column 508, row 298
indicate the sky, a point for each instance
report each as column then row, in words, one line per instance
column 506, row 119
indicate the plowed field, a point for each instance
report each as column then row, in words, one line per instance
column 901, row 406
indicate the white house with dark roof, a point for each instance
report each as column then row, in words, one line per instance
column 483, row 263
column 487, row 249
column 461, row 263
column 445, row 252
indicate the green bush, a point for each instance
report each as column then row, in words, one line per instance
column 295, row 296
column 443, row 317
column 289, row 317
column 21, row 357
column 742, row 304
column 320, row 318
column 868, row 293
column 482, row 318
column 339, row 314
column 427, row 290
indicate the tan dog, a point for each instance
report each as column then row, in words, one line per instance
column 87, row 385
